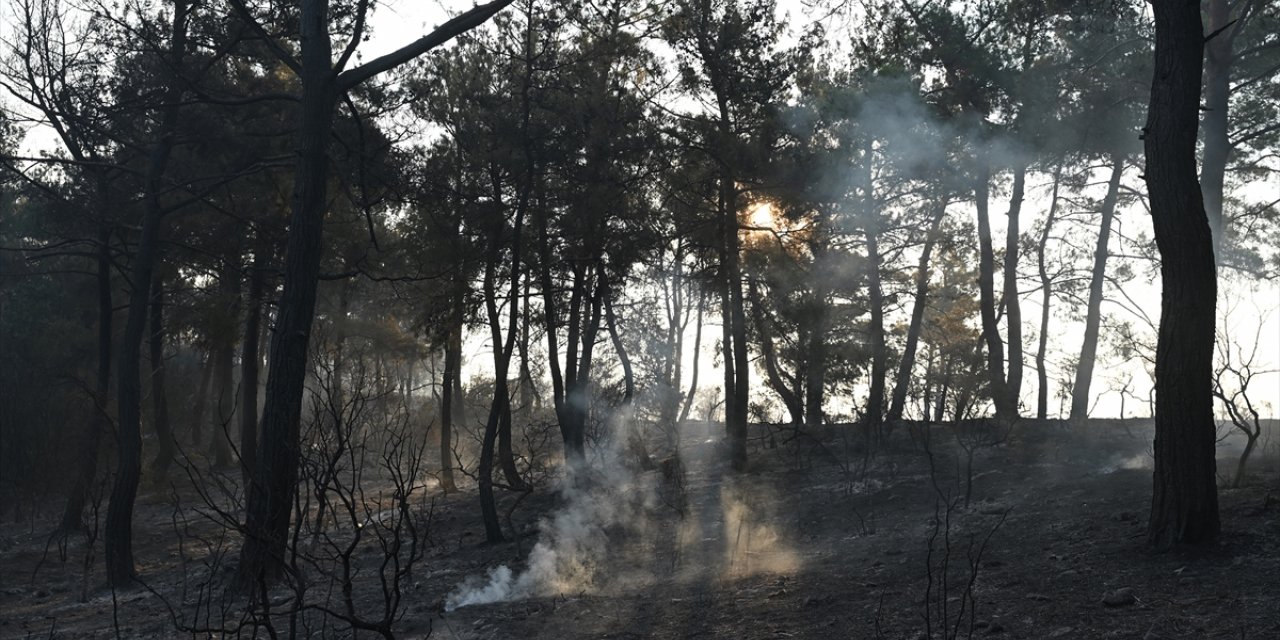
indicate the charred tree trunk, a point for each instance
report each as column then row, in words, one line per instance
column 577, row 390
column 270, row 498
column 159, row 398
column 337, row 391
column 737, row 376
column 903, row 379
column 1184, row 506
column 527, row 390
column 815, row 374
column 250, row 364
column 118, row 530
column 573, row 450
column 488, row 502
column 202, row 398
column 628, row 376
column 631, row 431
column 224, row 354
column 498, row 426
column 448, row 394
column 697, row 350
column 1093, row 313
column 506, row 451
column 944, row 386
column 506, row 454
column 817, row 350
column 726, row 352
column 275, row 478
column 781, row 382
column 736, row 364
column 677, row 317
column 1046, row 298
column 99, row 422
column 987, row 295
column 875, row 304
column 1012, row 302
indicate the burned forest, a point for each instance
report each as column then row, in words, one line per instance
column 505, row 319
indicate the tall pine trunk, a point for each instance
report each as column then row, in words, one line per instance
column 201, row 400
column 250, row 363
column 224, row 355
column 98, row 423
column 275, row 477
column 875, row 329
column 987, row 294
column 903, row 378
column 737, row 376
column 1093, row 312
column 452, row 371
column 782, row 384
column 270, row 498
column 693, row 375
column 1184, row 505
column 1012, row 302
column 159, row 397
column 118, row 530
column 1046, row 298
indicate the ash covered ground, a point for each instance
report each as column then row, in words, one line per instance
column 823, row 538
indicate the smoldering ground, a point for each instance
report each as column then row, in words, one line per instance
column 799, row 547
column 616, row 520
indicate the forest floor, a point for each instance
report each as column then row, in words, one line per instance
column 816, row 541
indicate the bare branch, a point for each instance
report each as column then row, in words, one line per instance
column 444, row 33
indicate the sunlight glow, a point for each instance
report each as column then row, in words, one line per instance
column 763, row 215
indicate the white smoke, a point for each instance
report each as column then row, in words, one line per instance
column 574, row 541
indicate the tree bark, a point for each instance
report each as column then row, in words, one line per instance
column 202, row 398
column 224, row 354
column 677, row 317
column 782, row 383
column 987, row 295
column 118, row 529
column 1184, row 505
column 1046, row 298
column 250, row 364
column 527, row 390
column 736, row 362
column 452, row 371
column 275, row 478
column 577, row 401
column 91, row 439
column 875, row 304
column 159, row 398
column 903, row 378
column 270, row 499
column 697, row 355
column 498, row 426
column 1012, row 302
column 737, row 365
column 1093, row 313
column 628, row 376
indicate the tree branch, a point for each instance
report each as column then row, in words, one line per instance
column 445, row 32
column 271, row 42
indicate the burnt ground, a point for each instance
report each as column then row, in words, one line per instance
column 819, row 540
